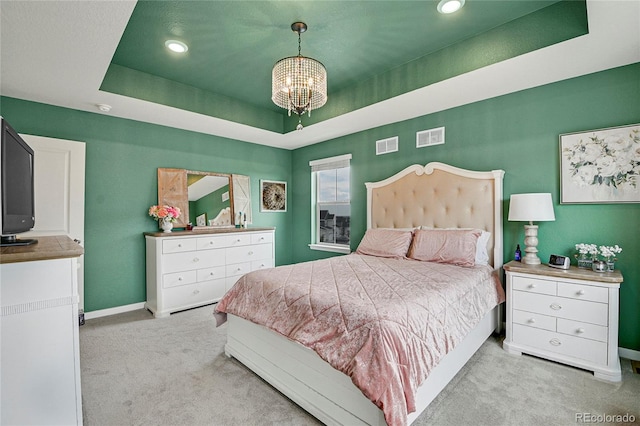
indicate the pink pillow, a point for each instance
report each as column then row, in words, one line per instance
column 385, row 243
column 457, row 247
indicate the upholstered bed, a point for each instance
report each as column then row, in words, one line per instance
column 376, row 335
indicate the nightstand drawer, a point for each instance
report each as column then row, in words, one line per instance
column 534, row 320
column 583, row 292
column 583, row 330
column 575, row 347
column 534, row 285
column 562, row 307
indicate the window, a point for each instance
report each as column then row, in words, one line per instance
column 331, row 202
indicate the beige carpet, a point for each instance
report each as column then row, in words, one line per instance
column 137, row 370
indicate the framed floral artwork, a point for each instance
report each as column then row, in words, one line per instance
column 273, row 196
column 600, row 166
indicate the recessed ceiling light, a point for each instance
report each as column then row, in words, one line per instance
column 104, row 107
column 450, row 6
column 176, row 46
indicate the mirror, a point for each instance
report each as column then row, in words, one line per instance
column 204, row 198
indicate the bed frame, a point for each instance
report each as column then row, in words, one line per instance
column 435, row 195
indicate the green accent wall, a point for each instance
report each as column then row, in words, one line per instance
column 518, row 133
column 122, row 158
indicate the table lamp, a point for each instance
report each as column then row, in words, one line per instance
column 529, row 208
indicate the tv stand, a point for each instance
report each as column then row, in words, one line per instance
column 11, row 241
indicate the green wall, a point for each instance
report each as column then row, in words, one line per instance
column 122, row 158
column 519, row 134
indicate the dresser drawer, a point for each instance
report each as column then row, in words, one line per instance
column 262, row 264
column 249, row 253
column 177, row 245
column 208, row 274
column 176, row 262
column 534, row 320
column 583, row 330
column 583, row 292
column 208, row 243
column 561, row 307
column 178, row 279
column 262, row 238
column 186, row 296
column 585, row 349
column 534, row 285
column 239, row 240
column 238, row 269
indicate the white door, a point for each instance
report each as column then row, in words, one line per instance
column 59, row 192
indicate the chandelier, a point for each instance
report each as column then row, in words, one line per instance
column 299, row 84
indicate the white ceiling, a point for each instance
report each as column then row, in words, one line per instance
column 57, row 52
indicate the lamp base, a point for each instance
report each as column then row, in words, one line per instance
column 531, row 242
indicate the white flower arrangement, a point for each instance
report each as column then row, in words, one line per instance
column 609, row 252
column 591, row 249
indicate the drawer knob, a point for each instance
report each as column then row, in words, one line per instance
column 580, row 330
column 238, row 240
column 532, row 286
column 555, row 306
column 196, row 291
column 555, row 342
column 580, row 292
column 211, row 273
column 179, row 245
column 250, row 253
column 210, row 242
column 531, row 320
column 261, row 238
column 195, row 259
column 179, row 278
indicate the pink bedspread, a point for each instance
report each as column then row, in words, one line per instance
column 386, row 323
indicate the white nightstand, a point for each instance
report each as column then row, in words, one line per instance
column 568, row 316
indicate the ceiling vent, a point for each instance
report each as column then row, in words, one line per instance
column 430, row 137
column 385, row 146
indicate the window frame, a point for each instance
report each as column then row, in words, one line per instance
column 331, row 163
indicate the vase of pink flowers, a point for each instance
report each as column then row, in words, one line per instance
column 165, row 215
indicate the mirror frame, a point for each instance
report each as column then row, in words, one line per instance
column 173, row 191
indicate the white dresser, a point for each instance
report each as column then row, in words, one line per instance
column 568, row 316
column 194, row 268
column 39, row 338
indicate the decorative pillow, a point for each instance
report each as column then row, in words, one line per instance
column 385, row 243
column 457, row 247
column 482, row 254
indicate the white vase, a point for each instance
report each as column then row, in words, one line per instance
column 166, row 225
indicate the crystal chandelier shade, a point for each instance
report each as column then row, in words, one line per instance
column 298, row 83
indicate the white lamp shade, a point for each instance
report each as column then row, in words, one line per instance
column 533, row 207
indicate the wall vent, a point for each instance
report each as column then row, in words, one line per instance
column 385, row 146
column 430, row 137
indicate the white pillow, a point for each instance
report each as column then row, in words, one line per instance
column 482, row 255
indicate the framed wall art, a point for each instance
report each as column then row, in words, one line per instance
column 201, row 220
column 273, row 196
column 600, row 166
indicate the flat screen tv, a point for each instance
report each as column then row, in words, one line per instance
column 17, row 209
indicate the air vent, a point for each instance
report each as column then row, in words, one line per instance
column 385, row 146
column 430, row 137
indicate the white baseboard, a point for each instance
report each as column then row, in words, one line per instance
column 113, row 311
column 629, row 354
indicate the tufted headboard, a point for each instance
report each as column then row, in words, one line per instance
column 440, row 196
